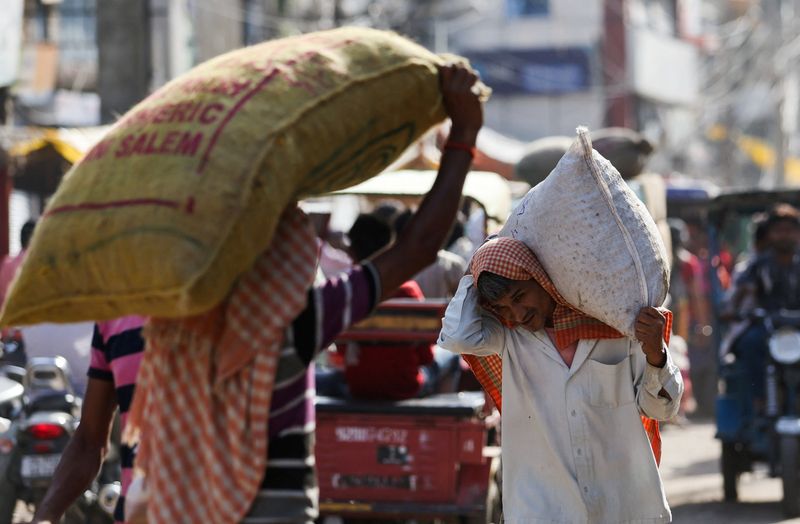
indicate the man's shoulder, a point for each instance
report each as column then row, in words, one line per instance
column 117, row 351
column 758, row 262
column 770, row 262
column 110, row 328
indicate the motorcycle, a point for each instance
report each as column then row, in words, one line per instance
column 770, row 434
column 48, row 419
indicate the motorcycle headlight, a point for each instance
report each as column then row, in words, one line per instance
column 784, row 346
column 108, row 497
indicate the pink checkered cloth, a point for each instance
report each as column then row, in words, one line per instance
column 205, row 386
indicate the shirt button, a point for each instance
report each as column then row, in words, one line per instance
column 574, row 413
column 580, row 451
column 585, row 489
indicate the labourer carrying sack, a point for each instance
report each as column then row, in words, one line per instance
column 574, row 447
column 580, row 397
column 222, row 412
column 184, row 192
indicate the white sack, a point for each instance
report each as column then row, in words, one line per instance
column 594, row 237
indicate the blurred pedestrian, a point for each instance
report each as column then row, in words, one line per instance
column 10, row 265
column 698, row 267
column 440, row 279
column 387, row 371
column 685, row 292
column 117, row 349
column 771, row 283
column 458, row 243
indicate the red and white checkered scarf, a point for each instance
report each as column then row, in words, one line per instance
column 204, row 389
column 511, row 258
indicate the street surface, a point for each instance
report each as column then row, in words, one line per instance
column 690, row 468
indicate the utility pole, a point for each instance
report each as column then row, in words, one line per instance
column 774, row 18
column 338, row 13
column 731, row 175
column 124, row 58
column 620, row 111
column 5, row 103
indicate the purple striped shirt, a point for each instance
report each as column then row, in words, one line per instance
column 288, row 491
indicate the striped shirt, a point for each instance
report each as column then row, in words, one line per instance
column 289, row 490
column 117, row 349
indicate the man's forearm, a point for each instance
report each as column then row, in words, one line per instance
column 424, row 235
column 430, row 225
column 78, row 467
column 433, row 220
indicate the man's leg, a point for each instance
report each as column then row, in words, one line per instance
column 751, row 350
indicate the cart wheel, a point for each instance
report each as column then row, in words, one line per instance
column 790, row 474
column 730, row 471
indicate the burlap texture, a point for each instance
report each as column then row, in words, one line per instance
column 595, row 238
column 184, row 192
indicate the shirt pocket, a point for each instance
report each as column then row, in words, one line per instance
column 610, row 385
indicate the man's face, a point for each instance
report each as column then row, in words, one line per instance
column 526, row 304
column 784, row 236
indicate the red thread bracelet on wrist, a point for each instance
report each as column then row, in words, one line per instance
column 460, row 146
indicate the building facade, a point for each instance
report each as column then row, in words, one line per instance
column 558, row 64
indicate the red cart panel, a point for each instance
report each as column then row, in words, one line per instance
column 380, row 458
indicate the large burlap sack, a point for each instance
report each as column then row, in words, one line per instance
column 627, row 150
column 594, row 237
column 185, row 190
column 652, row 190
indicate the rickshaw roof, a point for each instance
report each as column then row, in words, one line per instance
column 489, row 189
column 688, row 197
column 744, row 203
column 748, row 201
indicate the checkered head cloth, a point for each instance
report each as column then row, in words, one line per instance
column 204, row 389
column 511, row 258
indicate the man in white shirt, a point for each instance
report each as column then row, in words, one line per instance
column 574, row 447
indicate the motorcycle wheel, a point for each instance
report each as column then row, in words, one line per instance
column 790, row 474
column 730, row 471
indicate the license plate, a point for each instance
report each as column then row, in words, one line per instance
column 37, row 467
